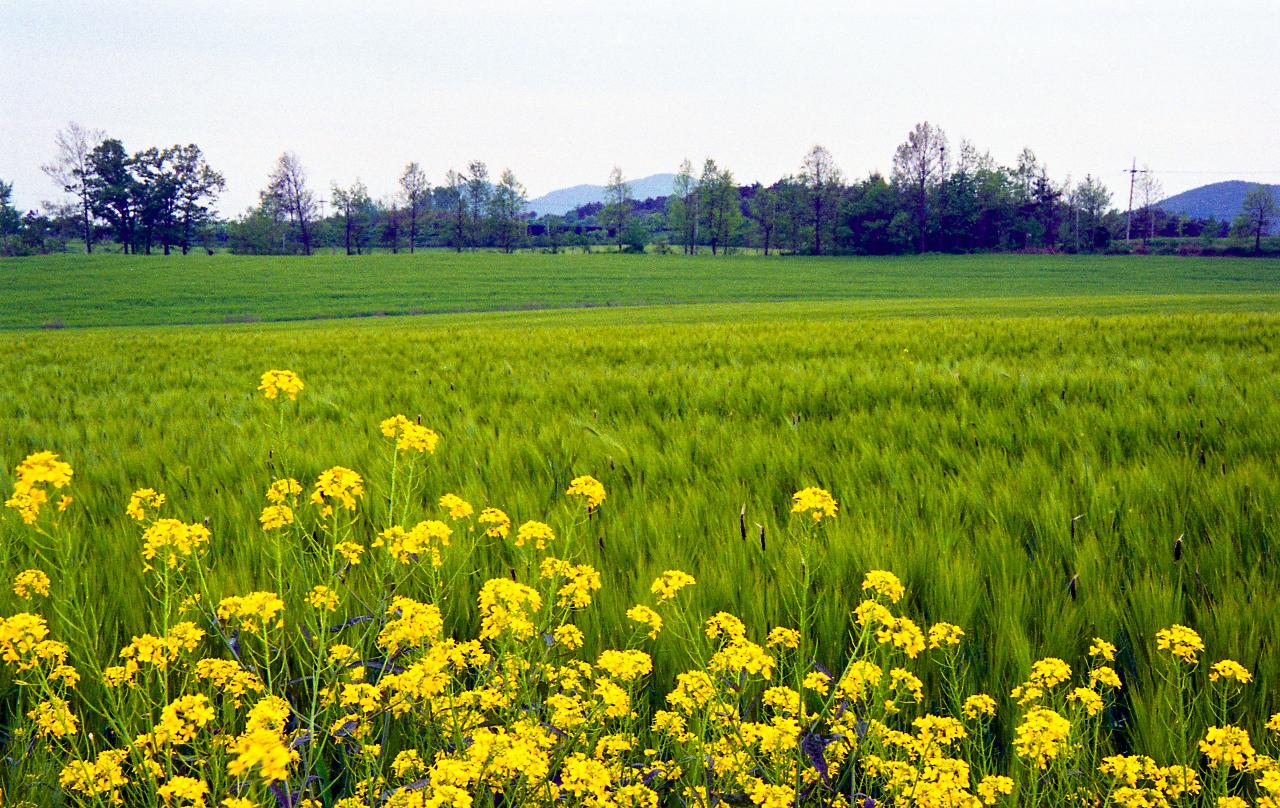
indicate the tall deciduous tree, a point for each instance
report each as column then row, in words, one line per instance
column 478, row 191
column 353, row 205
column 71, row 169
column 764, row 213
column 1149, row 191
column 617, row 206
column 288, row 192
column 113, row 189
column 455, row 198
column 506, row 210
column 721, row 206
column 822, row 181
column 919, row 167
column 1090, row 201
column 198, row 188
column 415, row 190
column 682, row 208
column 1256, row 215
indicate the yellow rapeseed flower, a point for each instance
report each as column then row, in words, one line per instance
column 143, row 500
column 538, row 533
column 646, row 616
column 254, row 612
column 53, row 718
column 669, row 583
column 589, row 488
column 457, row 507
column 497, row 520
column 275, row 517
column 1042, row 737
column 275, row 382
column 409, row 436
column 884, row 583
column 626, row 666
column 173, row 542
column 1229, row 671
column 1102, row 648
column 427, row 538
column 30, row 477
column 185, row 790
column 1180, row 641
column 991, row 787
column 31, row 582
column 103, row 777
column 569, row 636
column 817, row 502
column 979, row 705
column 44, row 468
column 1228, row 746
column 283, row 490
column 944, row 634
column 781, row 635
column 323, row 598
column 338, row 485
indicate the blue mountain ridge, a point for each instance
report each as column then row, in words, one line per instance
column 1221, row 200
column 564, row 200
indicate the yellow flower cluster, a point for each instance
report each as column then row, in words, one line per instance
column 283, row 498
column 589, row 488
column 102, row 777
column 53, row 718
column 1182, row 642
column 456, row 506
column 29, row 583
column 254, row 612
column 173, row 542
column 263, row 747
column 577, row 581
column 1228, row 670
column 817, row 502
column 885, row 584
column 1139, row 781
column 142, row 501
column 425, row 539
column 499, row 524
column 275, row 382
column 539, row 534
column 669, row 584
column 1042, row 737
column 647, row 617
column 337, row 485
column 409, row 436
column 1228, row 746
column 31, row 477
column 506, row 607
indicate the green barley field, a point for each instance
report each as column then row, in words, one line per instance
column 1044, row 449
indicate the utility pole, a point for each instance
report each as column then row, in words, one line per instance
column 1128, row 221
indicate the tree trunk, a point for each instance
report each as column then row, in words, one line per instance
column 413, row 226
column 88, row 226
column 817, row 223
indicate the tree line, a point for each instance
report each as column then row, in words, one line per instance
column 937, row 198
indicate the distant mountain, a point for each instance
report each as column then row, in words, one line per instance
column 564, row 200
column 1221, row 200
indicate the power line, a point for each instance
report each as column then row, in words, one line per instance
column 1190, row 171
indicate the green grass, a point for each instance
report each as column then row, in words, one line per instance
column 986, row 450
column 77, row 290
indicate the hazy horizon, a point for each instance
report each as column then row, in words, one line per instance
column 562, row 94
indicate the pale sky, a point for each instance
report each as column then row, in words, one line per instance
column 562, row 91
